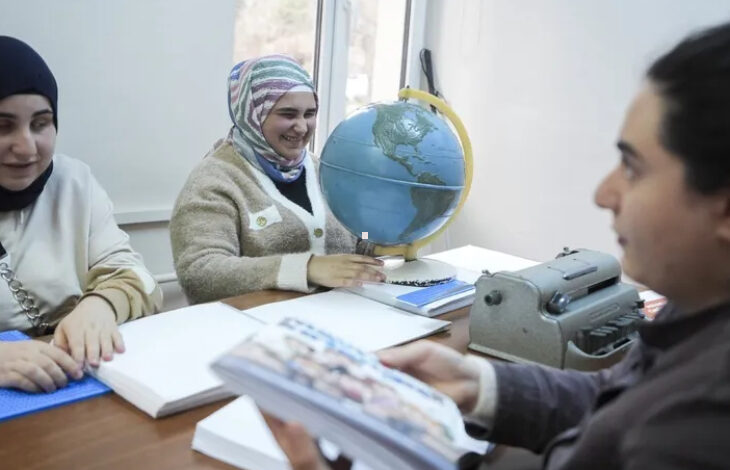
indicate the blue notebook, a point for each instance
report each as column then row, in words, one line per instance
column 427, row 295
column 14, row 403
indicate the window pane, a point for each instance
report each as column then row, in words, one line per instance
column 275, row 27
column 376, row 46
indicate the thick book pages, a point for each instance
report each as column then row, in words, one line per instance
column 366, row 323
column 237, row 435
column 15, row 403
column 165, row 368
column 376, row 415
column 469, row 262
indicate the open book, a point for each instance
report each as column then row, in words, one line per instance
column 376, row 415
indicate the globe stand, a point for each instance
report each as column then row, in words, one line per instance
column 421, row 273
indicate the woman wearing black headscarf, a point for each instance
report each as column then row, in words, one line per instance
column 65, row 266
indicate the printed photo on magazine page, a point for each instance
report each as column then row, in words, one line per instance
column 326, row 367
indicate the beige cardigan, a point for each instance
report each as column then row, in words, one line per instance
column 233, row 232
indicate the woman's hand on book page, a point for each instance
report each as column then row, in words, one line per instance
column 296, row 443
column 90, row 332
column 35, row 366
column 440, row 367
column 343, row 270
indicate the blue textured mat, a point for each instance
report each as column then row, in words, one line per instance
column 14, row 403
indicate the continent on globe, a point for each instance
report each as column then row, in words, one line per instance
column 393, row 128
column 429, row 203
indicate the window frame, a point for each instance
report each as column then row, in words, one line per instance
column 331, row 59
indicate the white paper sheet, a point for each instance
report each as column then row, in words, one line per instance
column 368, row 324
column 471, row 260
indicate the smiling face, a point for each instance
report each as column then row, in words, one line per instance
column 673, row 237
column 27, row 139
column 290, row 123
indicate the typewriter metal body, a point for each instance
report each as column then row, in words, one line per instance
column 572, row 312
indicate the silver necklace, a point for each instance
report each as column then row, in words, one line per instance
column 22, row 296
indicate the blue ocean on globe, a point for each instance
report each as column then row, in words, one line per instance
column 393, row 170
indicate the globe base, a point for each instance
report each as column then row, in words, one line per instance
column 421, row 273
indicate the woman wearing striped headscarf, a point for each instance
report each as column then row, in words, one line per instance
column 251, row 215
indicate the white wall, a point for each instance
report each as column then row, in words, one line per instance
column 142, row 95
column 542, row 86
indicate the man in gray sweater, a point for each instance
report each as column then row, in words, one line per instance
column 667, row 404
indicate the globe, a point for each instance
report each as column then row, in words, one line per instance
column 392, row 173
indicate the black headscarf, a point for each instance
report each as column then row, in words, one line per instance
column 23, row 71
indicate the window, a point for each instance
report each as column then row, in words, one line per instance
column 375, row 52
column 276, row 27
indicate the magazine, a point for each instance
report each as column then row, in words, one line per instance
column 376, row 415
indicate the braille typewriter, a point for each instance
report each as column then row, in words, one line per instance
column 572, row 312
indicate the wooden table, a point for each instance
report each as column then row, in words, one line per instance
column 109, row 433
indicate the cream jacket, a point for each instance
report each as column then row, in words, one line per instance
column 65, row 246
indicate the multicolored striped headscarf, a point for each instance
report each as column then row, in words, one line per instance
column 254, row 86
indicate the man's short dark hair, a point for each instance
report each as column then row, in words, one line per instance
column 694, row 81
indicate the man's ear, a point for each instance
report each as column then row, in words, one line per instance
column 723, row 227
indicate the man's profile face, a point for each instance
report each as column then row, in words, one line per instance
column 666, row 229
